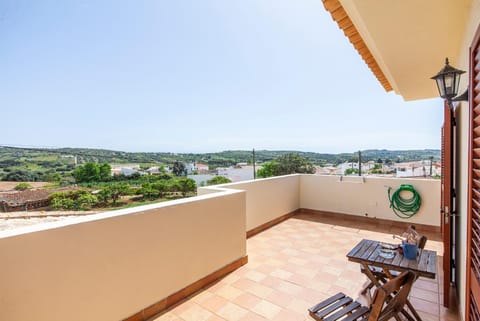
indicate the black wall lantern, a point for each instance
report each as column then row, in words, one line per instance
column 448, row 80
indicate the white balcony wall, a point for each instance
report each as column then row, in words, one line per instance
column 356, row 195
column 113, row 265
column 267, row 199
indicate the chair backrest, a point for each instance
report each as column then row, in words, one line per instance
column 421, row 239
column 389, row 299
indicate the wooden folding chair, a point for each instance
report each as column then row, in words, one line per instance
column 388, row 302
column 380, row 274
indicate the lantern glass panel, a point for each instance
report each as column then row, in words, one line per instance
column 440, row 85
column 449, row 85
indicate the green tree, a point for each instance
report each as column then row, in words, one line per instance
column 289, row 163
column 23, row 187
column 59, row 203
column 162, row 187
column 90, row 172
column 105, row 172
column 53, row 177
column 148, row 191
column 73, row 200
column 268, row 169
column 218, row 180
column 117, row 190
column 104, row 195
column 351, row 171
column 185, row 185
column 21, row 176
column 85, row 201
column 179, row 169
column 292, row 163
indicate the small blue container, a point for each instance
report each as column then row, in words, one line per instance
column 410, row 250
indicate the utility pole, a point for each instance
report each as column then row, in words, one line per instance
column 254, row 171
column 359, row 163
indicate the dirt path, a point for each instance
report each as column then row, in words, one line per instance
column 14, row 220
column 10, row 186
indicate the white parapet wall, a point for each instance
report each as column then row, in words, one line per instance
column 267, row 199
column 368, row 196
column 112, row 265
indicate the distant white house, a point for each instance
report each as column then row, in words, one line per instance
column 417, row 169
column 341, row 168
column 153, row 170
column 190, row 168
column 201, row 168
column 124, row 169
column 326, row 170
column 238, row 173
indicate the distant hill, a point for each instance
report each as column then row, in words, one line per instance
column 39, row 163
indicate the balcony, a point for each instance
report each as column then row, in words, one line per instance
column 131, row 264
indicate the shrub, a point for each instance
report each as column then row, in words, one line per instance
column 23, row 187
column 72, row 200
column 218, row 180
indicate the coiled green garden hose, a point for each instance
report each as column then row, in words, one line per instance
column 405, row 207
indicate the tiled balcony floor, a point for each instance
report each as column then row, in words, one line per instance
column 296, row 264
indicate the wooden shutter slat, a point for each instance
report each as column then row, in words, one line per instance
column 473, row 230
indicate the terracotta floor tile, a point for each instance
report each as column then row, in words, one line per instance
column 201, row 296
column 228, row 292
column 214, row 303
column 425, row 306
column 279, row 298
column 312, row 295
column 255, row 276
column 266, row 309
column 251, row 316
column 167, row 317
column 195, row 313
column 288, row 287
column 424, row 295
column 300, row 306
column 336, row 271
column 281, row 274
column 290, row 316
column 260, row 290
column 429, row 317
column 232, row 312
column 215, row 318
column 294, row 265
column 247, row 300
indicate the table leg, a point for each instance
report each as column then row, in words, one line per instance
column 370, row 275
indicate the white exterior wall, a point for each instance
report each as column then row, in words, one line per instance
column 368, row 195
column 267, row 199
column 113, row 265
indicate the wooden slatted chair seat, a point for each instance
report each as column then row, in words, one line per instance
column 388, row 302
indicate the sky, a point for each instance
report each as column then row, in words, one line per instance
column 195, row 76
